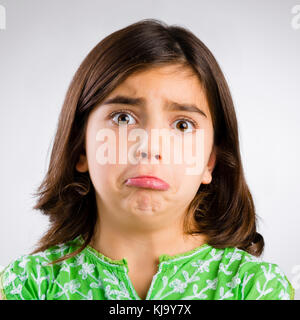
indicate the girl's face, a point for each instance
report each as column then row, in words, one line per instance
column 160, row 90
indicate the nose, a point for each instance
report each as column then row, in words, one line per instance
column 144, row 150
column 143, row 154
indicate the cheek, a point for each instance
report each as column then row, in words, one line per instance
column 104, row 177
column 184, row 183
column 193, row 154
column 100, row 174
column 188, row 175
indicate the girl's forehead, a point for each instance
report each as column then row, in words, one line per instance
column 165, row 85
column 171, row 75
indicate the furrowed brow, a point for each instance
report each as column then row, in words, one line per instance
column 174, row 106
column 140, row 102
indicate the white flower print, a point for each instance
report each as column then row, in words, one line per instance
column 234, row 255
column 87, row 269
column 111, row 277
column 178, row 285
column 279, row 271
column 96, row 285
column 11, row 278
column 201, row 295
column 65, row 267
column 268, row 274
column 216, row 256
column 72, row 286
column 79, row 259
column 189, row 279
column 283, row 295
column 23, row 262
column 212, row 284
column 223, row 268
column 250, row 258
column 201, row 265
column 17, row 290
column 245, row 281
column 61, row 248
column 234, row 282
column 225, row 295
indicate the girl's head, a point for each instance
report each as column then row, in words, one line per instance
column 159, row 89
column 150, row 76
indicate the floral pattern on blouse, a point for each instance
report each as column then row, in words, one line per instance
column 204, row 273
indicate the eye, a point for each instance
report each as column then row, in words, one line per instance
column 122, row 118
column 185, row 125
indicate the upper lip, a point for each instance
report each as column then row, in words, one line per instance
column 146, row 176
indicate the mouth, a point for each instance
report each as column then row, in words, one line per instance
column 147, row 182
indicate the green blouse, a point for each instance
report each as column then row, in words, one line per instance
column 204, row 273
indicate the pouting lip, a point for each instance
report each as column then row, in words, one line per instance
column 146, row 176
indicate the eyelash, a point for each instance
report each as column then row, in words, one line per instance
column 194, row 123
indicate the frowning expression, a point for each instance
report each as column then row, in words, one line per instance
column 166, row 97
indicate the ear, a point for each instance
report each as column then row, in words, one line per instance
column 82, row 164
column 207, row 176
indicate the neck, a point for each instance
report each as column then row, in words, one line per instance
column 142, row 248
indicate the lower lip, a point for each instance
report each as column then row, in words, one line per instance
column 149, row 183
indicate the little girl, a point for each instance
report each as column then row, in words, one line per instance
column 127, row 221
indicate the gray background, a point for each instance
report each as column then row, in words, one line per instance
column 257, row 48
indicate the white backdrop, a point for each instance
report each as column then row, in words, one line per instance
column 257, row 44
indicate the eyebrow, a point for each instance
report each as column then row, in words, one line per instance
column 140, row 102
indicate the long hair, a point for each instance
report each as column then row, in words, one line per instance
column 222, row 210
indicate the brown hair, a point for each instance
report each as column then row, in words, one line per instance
column 222, row 210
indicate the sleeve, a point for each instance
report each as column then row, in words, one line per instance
column 2, row 295
column 266, row 281
column 22, row 280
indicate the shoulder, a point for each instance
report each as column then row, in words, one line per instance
column 253, row 278
column 29, row 276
